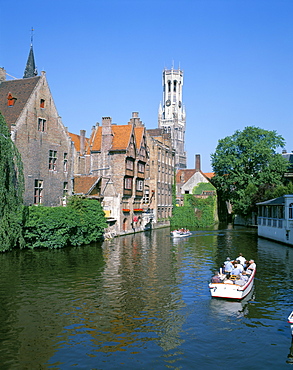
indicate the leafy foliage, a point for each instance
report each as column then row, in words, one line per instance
column 196, row 213
column 202, row 186
column 11, row 191
column 246, row 161
column 81, row 222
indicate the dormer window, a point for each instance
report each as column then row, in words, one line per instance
column 42, row 103
column 10, row 100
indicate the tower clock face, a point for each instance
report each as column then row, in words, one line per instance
column 179, row 104
column 168, row 103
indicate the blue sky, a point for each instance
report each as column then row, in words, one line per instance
column 105, row 58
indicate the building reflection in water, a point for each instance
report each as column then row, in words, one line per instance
column 141, row 300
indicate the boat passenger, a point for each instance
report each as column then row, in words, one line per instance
column 251, row 266
column 244, row 276
column 239, row 265
column 228, row 266
column 236, row 270
column 241, row 259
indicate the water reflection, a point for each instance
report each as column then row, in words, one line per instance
column 290, row 355
column 222, row 308
column 142, row 301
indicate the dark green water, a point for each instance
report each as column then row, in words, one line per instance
column 142, row 302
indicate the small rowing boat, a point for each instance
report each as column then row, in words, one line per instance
column 290, row 321
column 231, row 287
column 180, row 233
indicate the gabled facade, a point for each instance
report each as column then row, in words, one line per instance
column 187, row 179
column 117, row 154
column 37, row 130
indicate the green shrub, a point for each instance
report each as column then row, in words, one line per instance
column 203, row 186
column 196, row 213
column 82, row 221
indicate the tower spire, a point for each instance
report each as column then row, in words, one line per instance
column 30, row 69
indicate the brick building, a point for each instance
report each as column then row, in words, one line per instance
column 114, row 159
column 37, row 130
column 161, row 173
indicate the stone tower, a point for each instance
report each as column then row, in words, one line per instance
column 172, row 117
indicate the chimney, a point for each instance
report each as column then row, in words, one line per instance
column 197, row 162
column 82, row 141
column 107, row 135
column 106, row 121
column 2, row 74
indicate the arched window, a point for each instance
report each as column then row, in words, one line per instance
column 169, row 86
column 291, row 211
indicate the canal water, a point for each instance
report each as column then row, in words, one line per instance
column 142, row 302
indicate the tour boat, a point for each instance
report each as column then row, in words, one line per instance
column 180, row 233
column 290, row 321
column 229, row 289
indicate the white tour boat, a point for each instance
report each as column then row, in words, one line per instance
column 180, row 233
column 230, row 288
column 290, row 321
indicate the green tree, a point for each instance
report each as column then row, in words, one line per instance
column 243, row 163
column 11, row 191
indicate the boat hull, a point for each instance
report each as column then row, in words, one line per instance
column 232, row 291
column 290, row 321
column 180, row 235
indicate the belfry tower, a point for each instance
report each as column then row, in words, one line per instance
column 172, row 117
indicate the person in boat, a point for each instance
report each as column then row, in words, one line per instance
column 236, row 271
column 239, row 265
column 251, row 267
column 228, row 266
column 216, row 278
column 241, row 259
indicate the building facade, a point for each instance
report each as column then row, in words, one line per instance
column 275, row 219
column 114, row 160
column 187, row 179
column 160, row 174
column 172, row 116
column 38, row 132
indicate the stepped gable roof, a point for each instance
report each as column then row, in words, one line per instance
column 121, row 136
column 85, row 184
column 21, row 90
